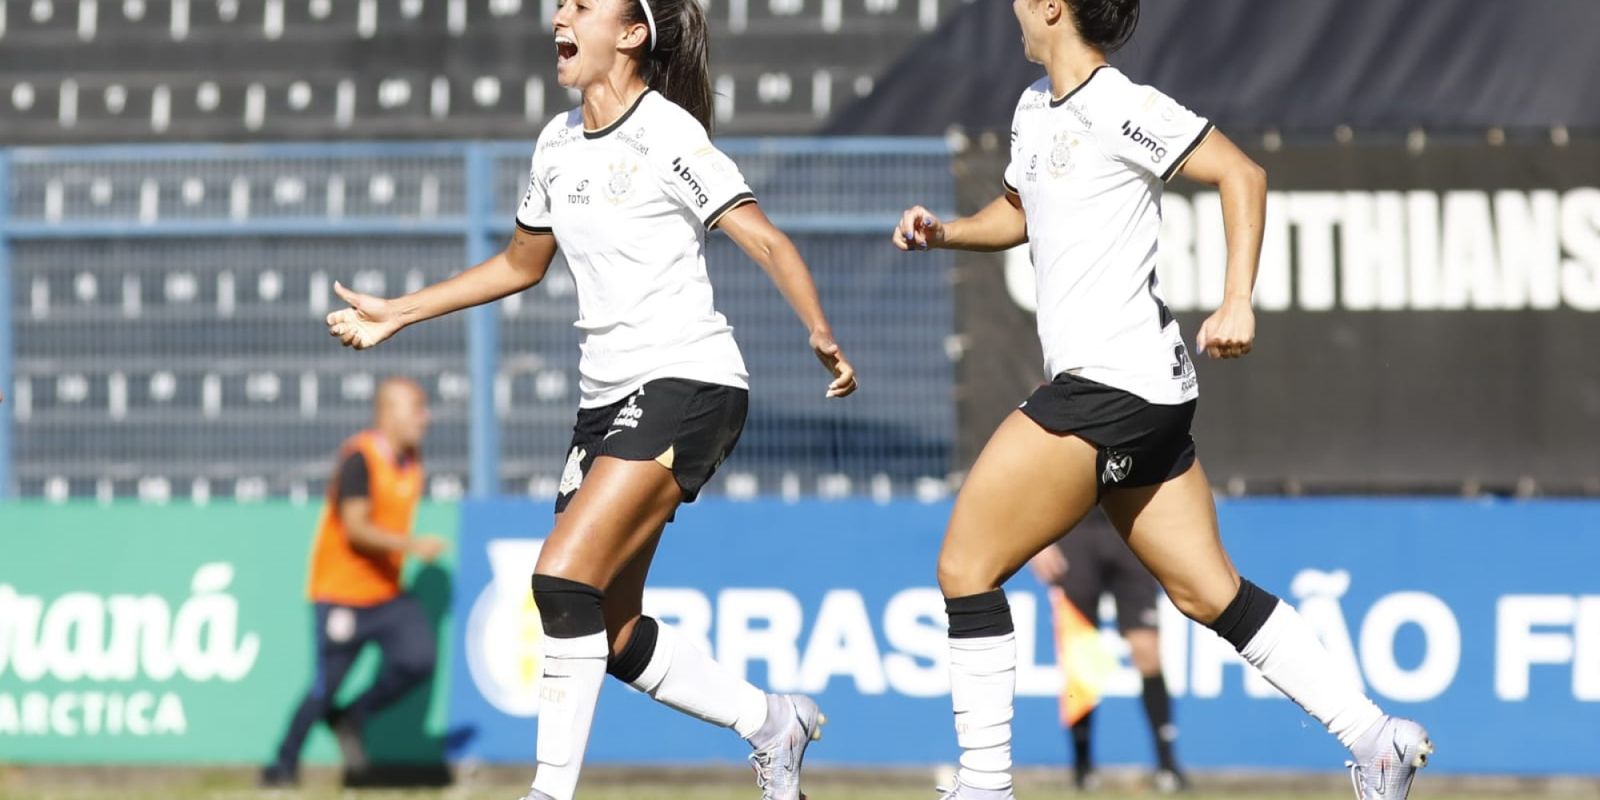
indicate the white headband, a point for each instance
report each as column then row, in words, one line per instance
column 650, row 22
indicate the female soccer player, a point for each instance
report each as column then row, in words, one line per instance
column 628, row 184
column 1090, row 151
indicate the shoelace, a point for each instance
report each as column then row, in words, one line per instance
column 947, row 794
column 1355, row 779
column 761, row 762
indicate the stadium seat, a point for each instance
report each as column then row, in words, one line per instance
column 304, row 69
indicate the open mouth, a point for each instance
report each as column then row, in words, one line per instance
column 566, row 49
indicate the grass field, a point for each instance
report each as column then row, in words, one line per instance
column 718, row 784
column 720, row 792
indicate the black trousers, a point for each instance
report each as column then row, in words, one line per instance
column 399, row 628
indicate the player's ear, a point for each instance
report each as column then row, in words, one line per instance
column 1053, row 10
column 633, row 36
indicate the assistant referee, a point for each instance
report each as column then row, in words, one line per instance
column 362, row 541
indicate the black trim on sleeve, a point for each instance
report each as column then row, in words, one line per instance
column 1057, row 102
column 588, row 134
column 738, row 200
column 355, row 477
column 535, row 228
column 1188, row 151
column 1012, row 189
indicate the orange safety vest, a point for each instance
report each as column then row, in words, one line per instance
column 343, row 575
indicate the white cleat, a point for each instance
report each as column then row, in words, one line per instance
column 1387, row 760
column 778, row 766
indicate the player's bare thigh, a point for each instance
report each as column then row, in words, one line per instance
column 1172, row 528
column 620, row 508
column 1028, row 487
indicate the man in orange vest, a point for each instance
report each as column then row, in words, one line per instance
column 362, row 541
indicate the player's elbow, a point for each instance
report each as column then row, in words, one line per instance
column 1248, row 176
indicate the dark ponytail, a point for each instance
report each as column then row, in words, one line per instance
column 677, row 65
column 1106, row 24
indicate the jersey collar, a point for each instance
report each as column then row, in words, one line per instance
column 1057, row 102
column 603, row 132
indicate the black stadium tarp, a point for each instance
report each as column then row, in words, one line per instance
column 1292, row 65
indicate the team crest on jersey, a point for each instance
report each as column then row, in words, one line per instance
column 1059, row 160
column 620, row 185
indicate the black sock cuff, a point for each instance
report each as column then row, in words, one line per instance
column 636, row 654
column 979, row 615
column 1243, row 618
column 568, row 609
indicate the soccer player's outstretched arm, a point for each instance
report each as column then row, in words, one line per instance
column 1001, row 225
column 1231, row 331
column 749, row 228
column 370, row 320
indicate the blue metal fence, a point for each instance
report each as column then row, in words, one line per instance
column 160, row 310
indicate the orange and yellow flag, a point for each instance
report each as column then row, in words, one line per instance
column 1086, row 665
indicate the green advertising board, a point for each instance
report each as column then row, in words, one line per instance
column 180, row 634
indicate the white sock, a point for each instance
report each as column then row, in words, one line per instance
column 1292, row 658
column 983, row 685
column 574, row 669
column 684, row 677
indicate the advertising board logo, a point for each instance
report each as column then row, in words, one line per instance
column 108, row 665
column 504, row 636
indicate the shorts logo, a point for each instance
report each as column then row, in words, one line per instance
column 1118, row 465
column 630, row 414
column 572, row 474
column 1156, row 147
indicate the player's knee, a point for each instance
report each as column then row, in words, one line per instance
column 968, row 574
column 1200, row 606
column 568, row 609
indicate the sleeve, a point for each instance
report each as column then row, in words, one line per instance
column 704, row 179
column 354, row 478
column 1157, row 134
column 1013, row 176
column 533, row 214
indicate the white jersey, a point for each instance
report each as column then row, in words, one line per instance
column 629, row 206
column 1089, row 168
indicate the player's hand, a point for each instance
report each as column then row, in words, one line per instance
column 844, row 375
column 1049, row 566
column 366, row 323
column 428, row 548
column 1229, row 333
column 919, row 229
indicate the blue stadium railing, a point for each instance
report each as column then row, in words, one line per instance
column 75, row 221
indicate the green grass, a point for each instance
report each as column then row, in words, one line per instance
column 609, row 793
column 619, row 792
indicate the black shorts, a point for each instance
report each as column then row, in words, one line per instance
column 1140, row 443
column 698, row 422
column 1099, row 562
